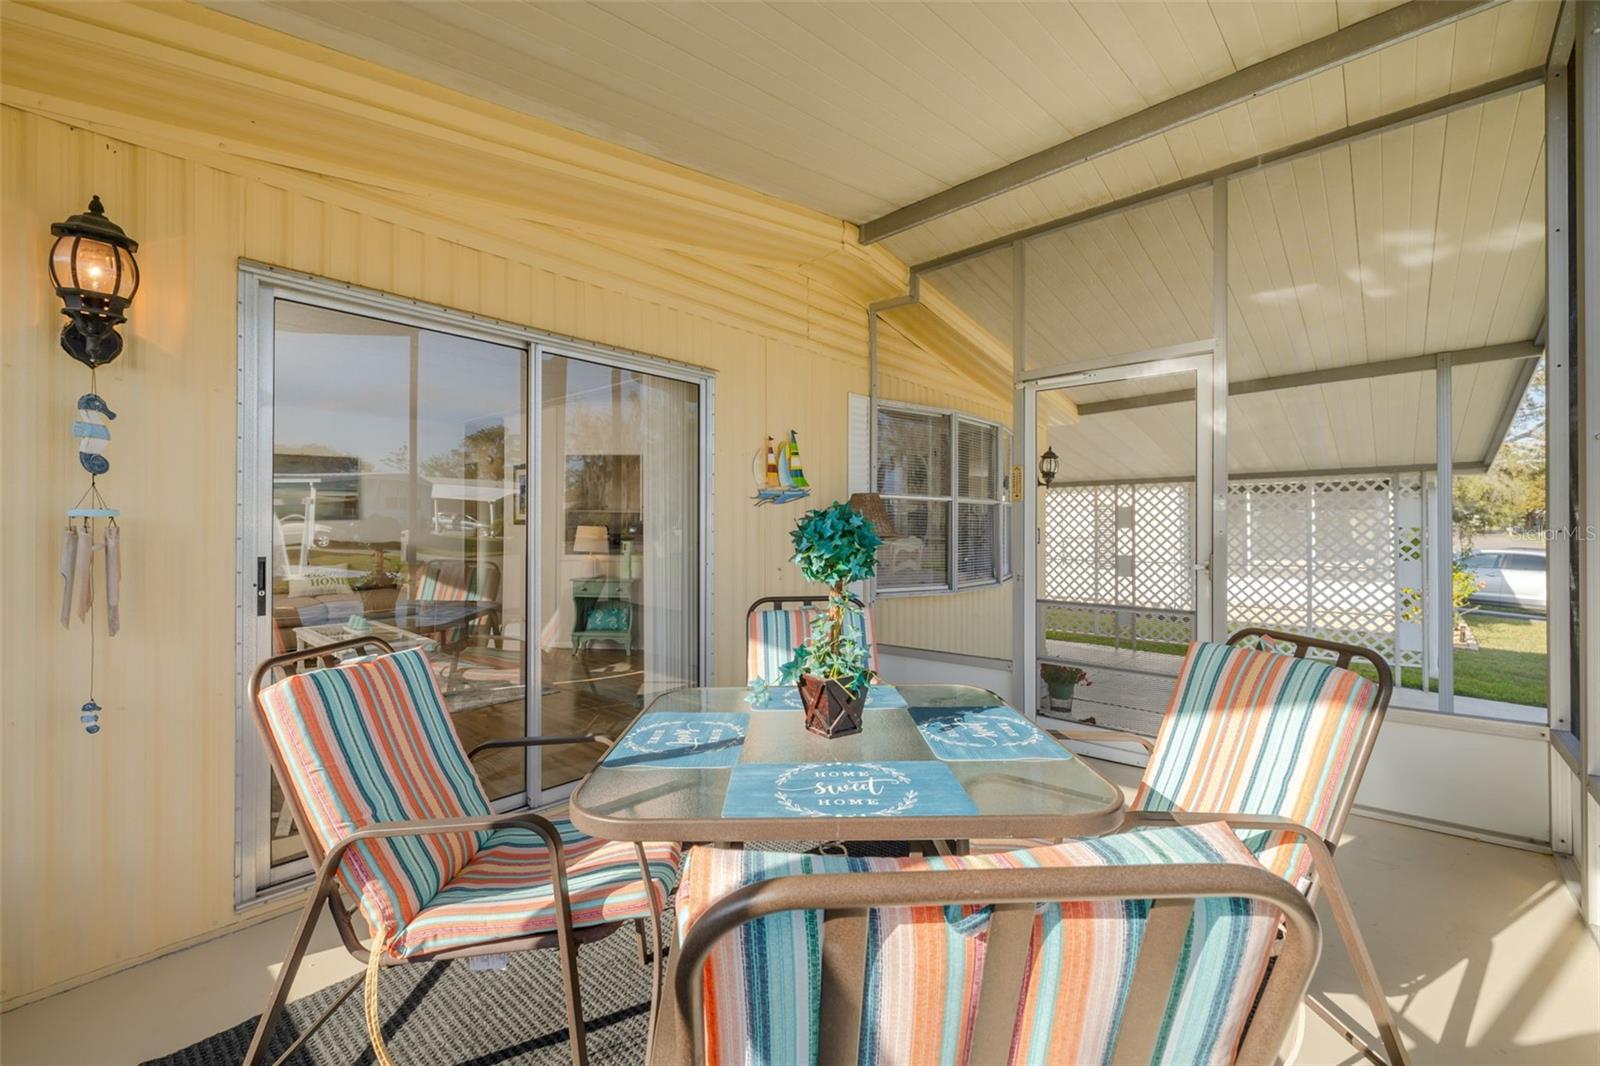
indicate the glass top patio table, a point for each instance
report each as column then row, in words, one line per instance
column 952, row 763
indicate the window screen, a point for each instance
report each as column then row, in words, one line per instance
column 944, row 479
column 913, row 453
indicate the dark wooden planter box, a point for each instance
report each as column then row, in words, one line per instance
column 830, row 710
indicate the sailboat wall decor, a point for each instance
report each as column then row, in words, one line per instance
column 783, row 479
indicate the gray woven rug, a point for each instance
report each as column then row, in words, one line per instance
column 447, row 1014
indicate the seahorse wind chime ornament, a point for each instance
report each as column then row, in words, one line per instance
column 96, row 275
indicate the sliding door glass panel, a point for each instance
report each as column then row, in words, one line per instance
column 399, row 510
column 1116, row 553
column 619, row 557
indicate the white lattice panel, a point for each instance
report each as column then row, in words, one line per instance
column 1329, row 557
column 1125, row 545
column 1340, row 558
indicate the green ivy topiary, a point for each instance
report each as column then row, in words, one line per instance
column 835, row 546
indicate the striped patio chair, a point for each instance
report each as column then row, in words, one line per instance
column 776, row 625
column 451, row 598
column 1275, row 743
column 396, row 820
column 1047, row 955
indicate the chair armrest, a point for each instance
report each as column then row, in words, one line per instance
column 488, row 638
column 1237, row 820
column 1321, row 850
column 1104, row 736
column 442, row 827
column 1324, row 876
column 539, row 742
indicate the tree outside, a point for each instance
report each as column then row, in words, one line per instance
column 1509, row 498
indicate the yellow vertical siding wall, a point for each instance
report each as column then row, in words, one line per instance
column 121, row 846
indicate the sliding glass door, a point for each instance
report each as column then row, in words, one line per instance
column 423, row 477
column 620, row 504
column 394, row 462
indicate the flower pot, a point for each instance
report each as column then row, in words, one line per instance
column 831, row 711
column 1061, row 693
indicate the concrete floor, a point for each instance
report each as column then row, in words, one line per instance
column 1479, row 947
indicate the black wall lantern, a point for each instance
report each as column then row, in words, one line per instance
column 1047, row 467
column 95, row 273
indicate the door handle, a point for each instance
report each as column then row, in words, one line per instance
column 261, row 586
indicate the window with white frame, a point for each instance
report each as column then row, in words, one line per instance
column 944, row 478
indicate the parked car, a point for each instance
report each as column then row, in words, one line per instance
column 1509, row 577
column 294, row 530
column 448, row 521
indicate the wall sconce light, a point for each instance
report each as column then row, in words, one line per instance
column 95, row 273
column 1047, row 467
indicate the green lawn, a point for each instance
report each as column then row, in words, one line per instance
column 1509, row 664
column 1072, row 624
column 1162, row 646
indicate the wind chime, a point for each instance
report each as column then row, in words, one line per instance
column 96, row 275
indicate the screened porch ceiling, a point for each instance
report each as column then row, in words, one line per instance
column 1424, row 239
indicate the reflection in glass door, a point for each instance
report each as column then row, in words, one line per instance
column 619, row 502
column 398, row 456
column 1121, row 572
column 424, row 477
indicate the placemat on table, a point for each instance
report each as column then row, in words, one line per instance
column 844, row 790
column 968, row 734
column 666, row 740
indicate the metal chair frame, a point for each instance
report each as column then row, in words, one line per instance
column 1324, row 874
column 780, row 603
column 846, row 898
column 325, row 888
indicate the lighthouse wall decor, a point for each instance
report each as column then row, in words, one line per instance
column 781, row 479
column 95, row 273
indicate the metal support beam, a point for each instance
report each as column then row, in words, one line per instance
column 1443, row 621
column 913, row 295
column 1558, row 386
column 1026, row 641
column 1217, row 527
column 1238, row 476
column 1444, row 105
column 1417, row 364
column 1508, row 413
column 1342, row 46
column 1585, row 232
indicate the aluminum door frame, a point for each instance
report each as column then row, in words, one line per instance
column 1210, row 535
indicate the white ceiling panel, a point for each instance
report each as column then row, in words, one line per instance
column 1418, row 240
column 1367, row 424
column 1501, row 41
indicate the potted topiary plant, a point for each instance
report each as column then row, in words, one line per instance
column 1062, row 681
column 836, row 546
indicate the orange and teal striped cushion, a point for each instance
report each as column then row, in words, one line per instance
column 924, row 965
column 371, row 742
column 774, row 635
column 1259, row 732
column 505, row 891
